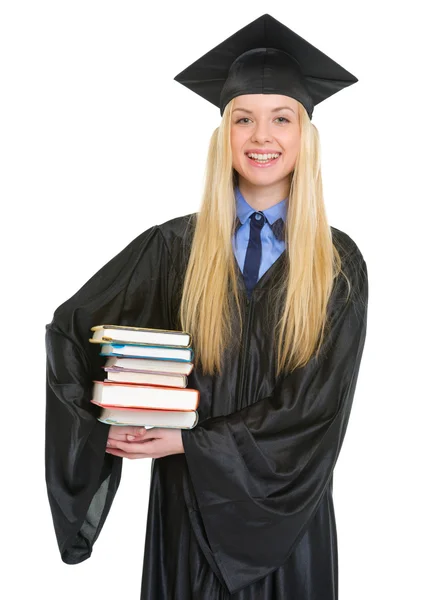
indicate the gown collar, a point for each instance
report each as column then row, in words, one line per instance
column 275, row 215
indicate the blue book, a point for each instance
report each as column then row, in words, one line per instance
column 144, row 351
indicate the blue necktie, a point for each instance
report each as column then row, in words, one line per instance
column 277, row 227
column 253, row 252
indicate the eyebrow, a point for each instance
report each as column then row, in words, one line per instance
column 273, row 111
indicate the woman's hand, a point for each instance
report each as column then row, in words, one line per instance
column 138, row 442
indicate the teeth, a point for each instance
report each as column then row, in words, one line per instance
column 263, row 157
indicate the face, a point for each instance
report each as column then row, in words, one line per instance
column 265, row 124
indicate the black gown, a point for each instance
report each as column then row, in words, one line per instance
column 247, row 512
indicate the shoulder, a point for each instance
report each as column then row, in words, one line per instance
column 178, row 227
column 353, row 267
column 346, row 246
column 177, row 233
column 353, row 263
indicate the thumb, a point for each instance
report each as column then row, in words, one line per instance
column 135, row 432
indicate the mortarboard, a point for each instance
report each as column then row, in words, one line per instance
column 265, row 57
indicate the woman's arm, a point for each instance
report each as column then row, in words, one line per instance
column 82, row 479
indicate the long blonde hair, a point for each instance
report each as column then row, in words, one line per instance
column 210, row 283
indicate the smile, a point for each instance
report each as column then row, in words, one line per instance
column 262, row 160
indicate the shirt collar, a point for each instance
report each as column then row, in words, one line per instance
column 244, row 210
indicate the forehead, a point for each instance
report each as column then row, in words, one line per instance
column 263, row 102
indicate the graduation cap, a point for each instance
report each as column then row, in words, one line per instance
column 265, row 57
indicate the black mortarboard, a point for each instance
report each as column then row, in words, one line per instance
column 265, row 57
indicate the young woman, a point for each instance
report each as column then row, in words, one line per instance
column 276, row 300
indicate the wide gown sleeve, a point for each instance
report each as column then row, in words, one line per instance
column 259, row 473
column 81, row 478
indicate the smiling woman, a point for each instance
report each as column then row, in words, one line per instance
column 275, row 299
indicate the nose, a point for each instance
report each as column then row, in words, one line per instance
column 261, row 133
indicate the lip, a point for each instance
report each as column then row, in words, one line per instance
column 263, row 166
column 266, row 165
column 267, row 151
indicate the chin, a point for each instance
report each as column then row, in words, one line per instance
column 263, row 178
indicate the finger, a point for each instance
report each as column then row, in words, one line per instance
column 130, row 447
column 135, row 429
column 127, row 434
column 124, row 430
column 135, row 433
column 131, row 455
column 120, row 438
column 153, row 432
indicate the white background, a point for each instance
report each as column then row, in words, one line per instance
column 98, row 143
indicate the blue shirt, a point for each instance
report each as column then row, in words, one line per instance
column 272, row 248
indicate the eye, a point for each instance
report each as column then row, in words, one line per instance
column 247, row 119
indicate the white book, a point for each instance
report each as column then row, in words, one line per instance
column 149, row 418
column 123, row 334
column 144, row 396
column 149, row 365
column 163, row 379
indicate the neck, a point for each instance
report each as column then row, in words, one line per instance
column 261, row 197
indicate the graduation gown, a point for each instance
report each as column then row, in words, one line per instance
column 247, row 511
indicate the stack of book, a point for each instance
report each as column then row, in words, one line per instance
column 146, row 377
